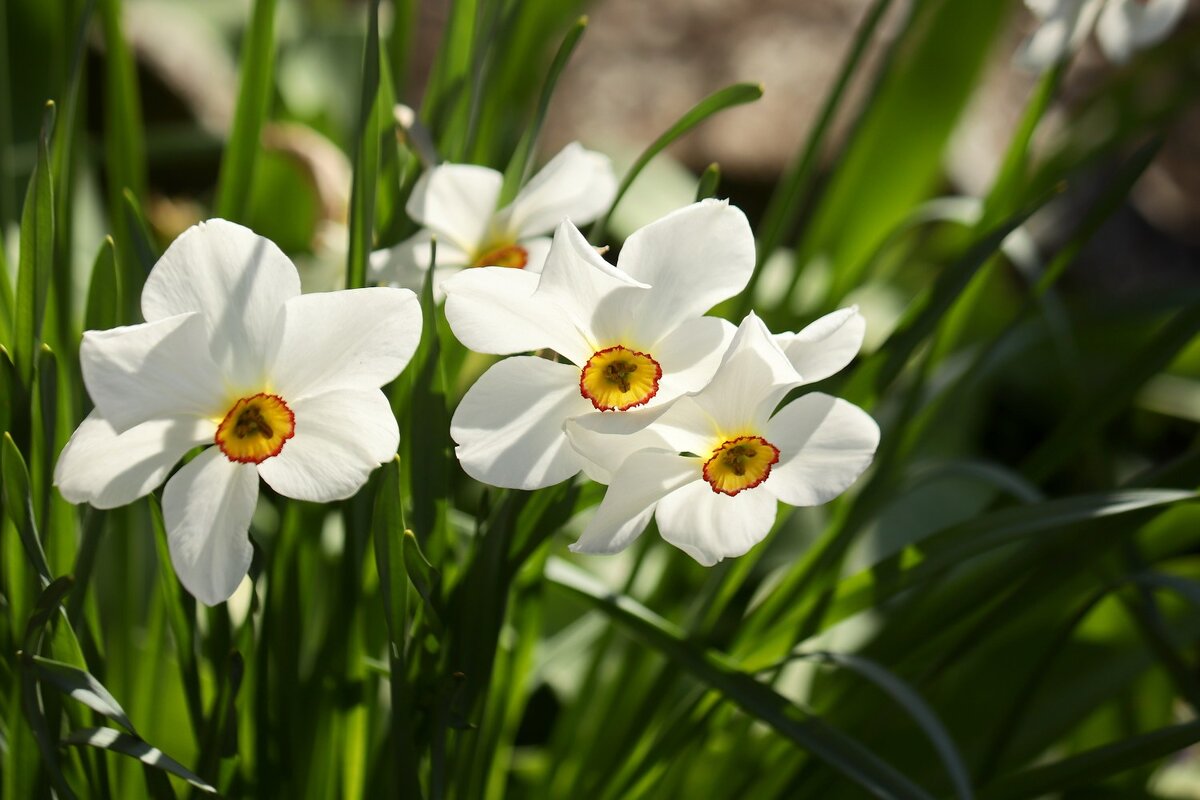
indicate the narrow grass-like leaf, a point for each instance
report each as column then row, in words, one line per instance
column 1104, row 403
column 730, row 96
column 138, row 242
column 180, row 610
column 518, row 166
column 10, row 390
column 36, row 261
column 788, row 197
column 80, row 685
column 48, row 606
column 425, row 579
column 104, row 301
column 254, row 97
column 125, row 148
column 18, row 505
column 923, row 315
column 710, row 180
column 127, row 745
column 1092, row 766
column 757, row 699
column 913, row 704
column 960, row 543
column 371, row 118
column 387, row 527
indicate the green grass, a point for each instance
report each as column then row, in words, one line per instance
column 1004, row 606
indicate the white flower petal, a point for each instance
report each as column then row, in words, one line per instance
column 709, row 526
column 407, row 263
column 690, row 354
column 207, row 507
column 237, row 280
column 599, row 299
column 1065, row 24
column 458, row 202
column 752, row 379
column 577, row 184
column 536, row 251
column 155, row 369
column 341, row 437
column 496, row 310
column 643, row 481
column 825, row 345
column 692, row 258
column 824, row 445
column 606, row 439
column 1126, row 26
column 110, row 469
column 352, row 339
column 509, row 425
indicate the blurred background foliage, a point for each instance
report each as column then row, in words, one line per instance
column 1006, row 606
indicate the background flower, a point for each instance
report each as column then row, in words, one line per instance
column 457, row 204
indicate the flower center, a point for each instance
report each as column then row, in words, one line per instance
column 505, row 255
column 617, row 379
column 255, row 429
column 740, row 463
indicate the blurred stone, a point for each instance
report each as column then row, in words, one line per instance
column 640, row 66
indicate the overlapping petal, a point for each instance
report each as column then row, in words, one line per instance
column 156, row 369
column 110, row 469
column 605, row 440
column 352, row 339
column 1064, row 26
column 509, row 425
column 825, row 345
column 709, row 526
column 497, row 310
column 457, row 202
column 407, row 263
column 1126, row 26
column 692, row 259
column 825, row 444
column 577, row 184
column 237, row 281
column 690, row 354
column 207, row 507
column 341, row 436
column 596, row 296
column 644, row 480
column 751, row 380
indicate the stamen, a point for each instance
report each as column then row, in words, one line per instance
column 739, row 464
column 255, row 429
column 617, row 379
column 506, row 255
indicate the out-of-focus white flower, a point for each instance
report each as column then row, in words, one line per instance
column 711, row 468
column 633, row 335
column 287, row 386
column 1122, row 28
column 457, row 204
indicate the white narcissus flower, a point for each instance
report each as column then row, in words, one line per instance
column 631, row 336
column 457, row 204
column 1122, row 27
column 711, row 469
column 286, row 386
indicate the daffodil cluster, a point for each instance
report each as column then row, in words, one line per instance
column 632, row 384
column 616, row 372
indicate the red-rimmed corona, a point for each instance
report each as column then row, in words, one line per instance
column 740, row 463
column 618, row 378
column 255, row 429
